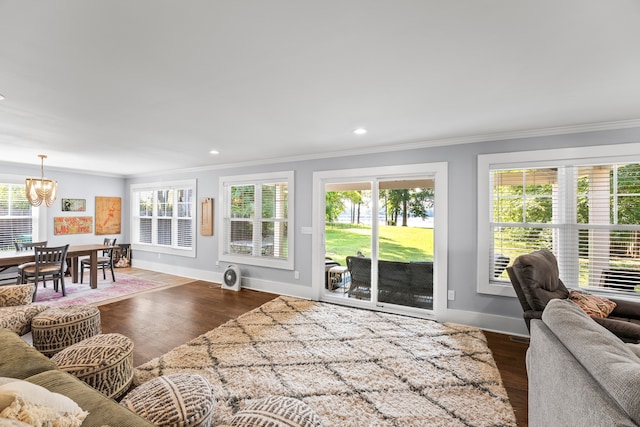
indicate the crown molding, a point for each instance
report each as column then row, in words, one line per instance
column 530, row 133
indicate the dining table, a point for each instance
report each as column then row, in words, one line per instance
column 15, row 258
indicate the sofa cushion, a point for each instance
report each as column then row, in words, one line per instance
column 635, row 348
column 18, row 359
column 540, row 278
column 610, row 361
column 102, row 410
column 23, row 401
column 593, row 305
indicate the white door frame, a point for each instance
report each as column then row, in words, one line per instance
column 439, row 170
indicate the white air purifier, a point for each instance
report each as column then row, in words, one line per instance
column 231, row 278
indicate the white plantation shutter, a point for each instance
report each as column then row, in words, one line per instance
column 587, row 215
column 523, row 203
column 185, row 203
column 163, row 217
column 257, row 214
column 16, row 216
column 608, row 226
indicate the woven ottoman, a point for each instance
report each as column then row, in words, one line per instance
column 57, row 328
column 177, row 400
column 104, row 361
column 276, row 411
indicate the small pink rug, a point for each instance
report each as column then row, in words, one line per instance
column 107, row 291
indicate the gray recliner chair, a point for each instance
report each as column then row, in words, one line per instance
column 536, row 279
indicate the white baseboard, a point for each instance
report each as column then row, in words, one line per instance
column 489, row 322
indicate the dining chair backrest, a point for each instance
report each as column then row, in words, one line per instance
column 108, row 242
column 51, row 255
column 25, row 246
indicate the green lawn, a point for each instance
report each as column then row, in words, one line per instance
column 396, row 243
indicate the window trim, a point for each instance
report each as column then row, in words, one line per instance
column 554, row 157
column 252, row 179
column 155, row 186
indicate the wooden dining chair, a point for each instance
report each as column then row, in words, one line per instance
column 104, row 261
column 50, row 262
column 27, row 246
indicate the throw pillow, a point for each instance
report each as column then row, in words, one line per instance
column 593, row 305
column 35, row 405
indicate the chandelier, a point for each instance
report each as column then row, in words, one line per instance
column 41, row 190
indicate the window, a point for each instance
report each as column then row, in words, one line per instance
column 256, row 220
column 163, row 217
column 586, row 211
column 18, row 219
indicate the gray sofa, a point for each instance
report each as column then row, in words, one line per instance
column 580, row 374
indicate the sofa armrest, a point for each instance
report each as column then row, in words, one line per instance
column 626, row 331
column 626, row 309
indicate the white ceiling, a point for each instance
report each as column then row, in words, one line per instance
column 131, row 87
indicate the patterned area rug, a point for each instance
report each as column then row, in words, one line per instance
column 353, row 367
column 107, row 291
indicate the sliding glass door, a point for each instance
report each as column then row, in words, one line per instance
column 405, row 242
column 378, row 239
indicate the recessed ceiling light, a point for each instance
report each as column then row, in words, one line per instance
column 214, row 152
column 1, row 97
column 360, row 131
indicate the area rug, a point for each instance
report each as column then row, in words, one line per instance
column 107, row 291
column 353, row 367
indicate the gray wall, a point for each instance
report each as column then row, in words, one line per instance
column 462, row 167
column 72, row 185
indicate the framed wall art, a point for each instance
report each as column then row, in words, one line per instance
column 108, row 215
column 72, row 225
column 74, row 205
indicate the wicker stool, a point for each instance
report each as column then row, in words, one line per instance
column 184, row 400
column 57, row 328
column 104, row 361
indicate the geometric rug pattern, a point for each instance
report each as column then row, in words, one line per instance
column 354, row 367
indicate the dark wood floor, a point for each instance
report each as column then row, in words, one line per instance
column 161, row 320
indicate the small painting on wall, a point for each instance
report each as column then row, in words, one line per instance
column 74, row 205
column 108, row 211
column 72, row 225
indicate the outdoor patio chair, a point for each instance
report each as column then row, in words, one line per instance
column 360, row 271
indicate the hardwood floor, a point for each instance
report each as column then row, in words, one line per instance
column 161, row 320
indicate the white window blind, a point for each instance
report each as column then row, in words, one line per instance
column 523, row 205
column 588, row 215
column 256, row 219
column 16, row 216
column 163, row 216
